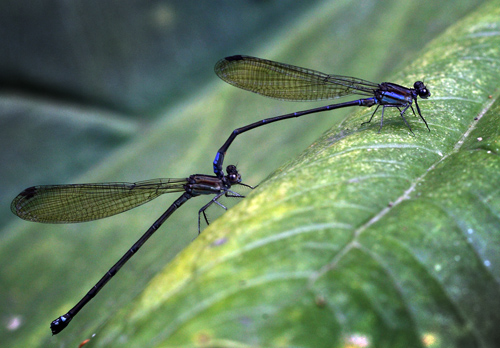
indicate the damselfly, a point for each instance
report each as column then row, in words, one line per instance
column 288, row 82
column 87, row 202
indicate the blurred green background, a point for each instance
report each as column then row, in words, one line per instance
column 96, row 91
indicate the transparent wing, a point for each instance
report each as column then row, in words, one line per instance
column 86, row 202
column 288, row 82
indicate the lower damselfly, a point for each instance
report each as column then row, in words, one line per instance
column 87, row 202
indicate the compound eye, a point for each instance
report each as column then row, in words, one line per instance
column 422, row 91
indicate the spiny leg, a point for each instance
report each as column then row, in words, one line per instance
column 381, row 119
column 205, row 207
column 420, row 114
column 227, row 193
column 250, row 187
column 372, row 115
column 411, row 106
column 233, row 194
column 404, row 119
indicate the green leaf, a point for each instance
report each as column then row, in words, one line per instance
column 365, row 239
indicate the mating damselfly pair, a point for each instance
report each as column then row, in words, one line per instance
column 86, row 202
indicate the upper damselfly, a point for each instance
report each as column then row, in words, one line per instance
column 292, row 83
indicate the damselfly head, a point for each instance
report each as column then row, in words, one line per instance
column 421, row 90
column 232, row 174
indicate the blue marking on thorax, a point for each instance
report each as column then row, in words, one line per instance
column 394, row 98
